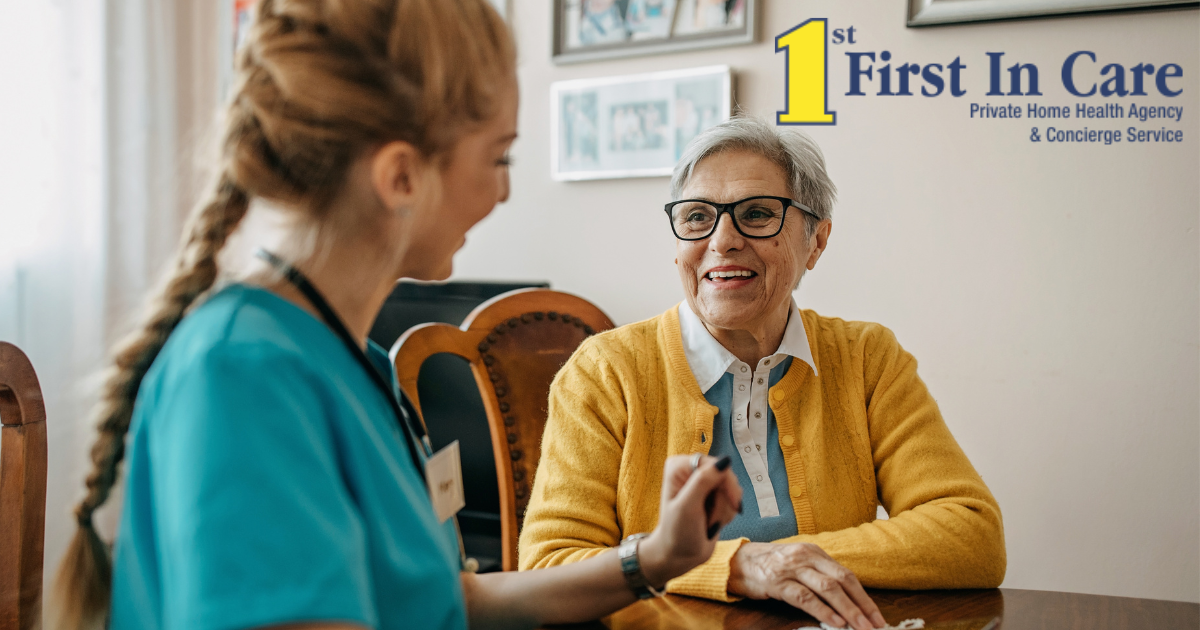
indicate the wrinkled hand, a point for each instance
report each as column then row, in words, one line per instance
column 695, row 505
column 804, row 576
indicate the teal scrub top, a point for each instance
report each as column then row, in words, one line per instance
column 267, row 482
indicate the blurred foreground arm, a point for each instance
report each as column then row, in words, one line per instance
column 591, row 588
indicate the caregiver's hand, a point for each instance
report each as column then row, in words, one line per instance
column 695, row 505
column 804, row 576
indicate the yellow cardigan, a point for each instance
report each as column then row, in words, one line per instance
column 866, row 431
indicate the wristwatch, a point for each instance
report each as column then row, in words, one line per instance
column 632, row 567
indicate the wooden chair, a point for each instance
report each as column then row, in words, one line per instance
column 22, row 490
column 515, row 342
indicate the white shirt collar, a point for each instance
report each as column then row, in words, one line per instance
column 709, row 360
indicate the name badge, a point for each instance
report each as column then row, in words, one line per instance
column 443, row 474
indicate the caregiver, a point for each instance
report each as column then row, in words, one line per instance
column 273, row 477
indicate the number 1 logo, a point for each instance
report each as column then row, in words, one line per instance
column 805, row 75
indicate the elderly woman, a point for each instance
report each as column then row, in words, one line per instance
column 826, row 419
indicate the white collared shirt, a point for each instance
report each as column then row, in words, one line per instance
column 749, row 413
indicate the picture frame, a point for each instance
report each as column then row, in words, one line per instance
column 591, row 30
column 633, row 125
column 943, row 12
column 502, row 7
column 243, row 15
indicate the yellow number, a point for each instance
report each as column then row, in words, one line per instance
column 807, row 91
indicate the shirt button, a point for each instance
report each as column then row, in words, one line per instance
column 759, row 477
column 757, row 414
column 744, row 368
column 741, row 388
column 767, row 362
column 758, row 447
column 760, row 381
column 788, row 440
column 747, row 449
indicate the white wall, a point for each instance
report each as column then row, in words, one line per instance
column 1050, row 292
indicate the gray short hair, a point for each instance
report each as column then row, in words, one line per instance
column 794, row 151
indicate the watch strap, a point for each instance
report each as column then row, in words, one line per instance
column 631, row 567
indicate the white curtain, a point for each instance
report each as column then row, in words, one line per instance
column 102, row 110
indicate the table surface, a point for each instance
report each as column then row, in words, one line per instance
column 942, row 610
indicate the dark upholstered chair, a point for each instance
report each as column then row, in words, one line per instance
column 515, row 344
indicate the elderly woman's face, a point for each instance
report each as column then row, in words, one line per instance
column 767, row 269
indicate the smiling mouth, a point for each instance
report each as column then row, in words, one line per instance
column 730, row 276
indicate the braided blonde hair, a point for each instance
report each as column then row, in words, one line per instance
column 319, row 83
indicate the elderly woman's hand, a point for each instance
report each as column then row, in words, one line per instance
column 804, row 576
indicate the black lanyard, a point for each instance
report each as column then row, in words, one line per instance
column 411, row 430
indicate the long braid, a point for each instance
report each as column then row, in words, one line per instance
column 195, row 273
column 85, row 578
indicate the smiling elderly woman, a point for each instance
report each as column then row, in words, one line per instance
column 826, row 419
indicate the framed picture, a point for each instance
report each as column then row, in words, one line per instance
column 635, row 125
column 588, row 30
column 937, row 12
column 501, row 7
column 243, row 14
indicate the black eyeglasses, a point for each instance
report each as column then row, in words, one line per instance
column 753, row 217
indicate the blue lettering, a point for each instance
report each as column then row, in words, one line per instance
column 1116, row 84
column 994, row 74
column 1068, row 70
column 933, row 78
column 956, row 68
column 1161, row 80
column 856, row 72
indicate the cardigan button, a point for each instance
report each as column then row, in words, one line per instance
column 797, row 492
column 777, row 395
column 788, row 440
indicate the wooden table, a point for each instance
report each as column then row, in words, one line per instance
column 943, row 610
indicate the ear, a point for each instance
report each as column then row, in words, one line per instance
column 820, row 240
column 397, row 174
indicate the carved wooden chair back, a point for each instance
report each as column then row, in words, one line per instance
column 22, row 490
column 515, row 342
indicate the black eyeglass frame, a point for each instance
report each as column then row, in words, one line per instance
column 727, row 208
